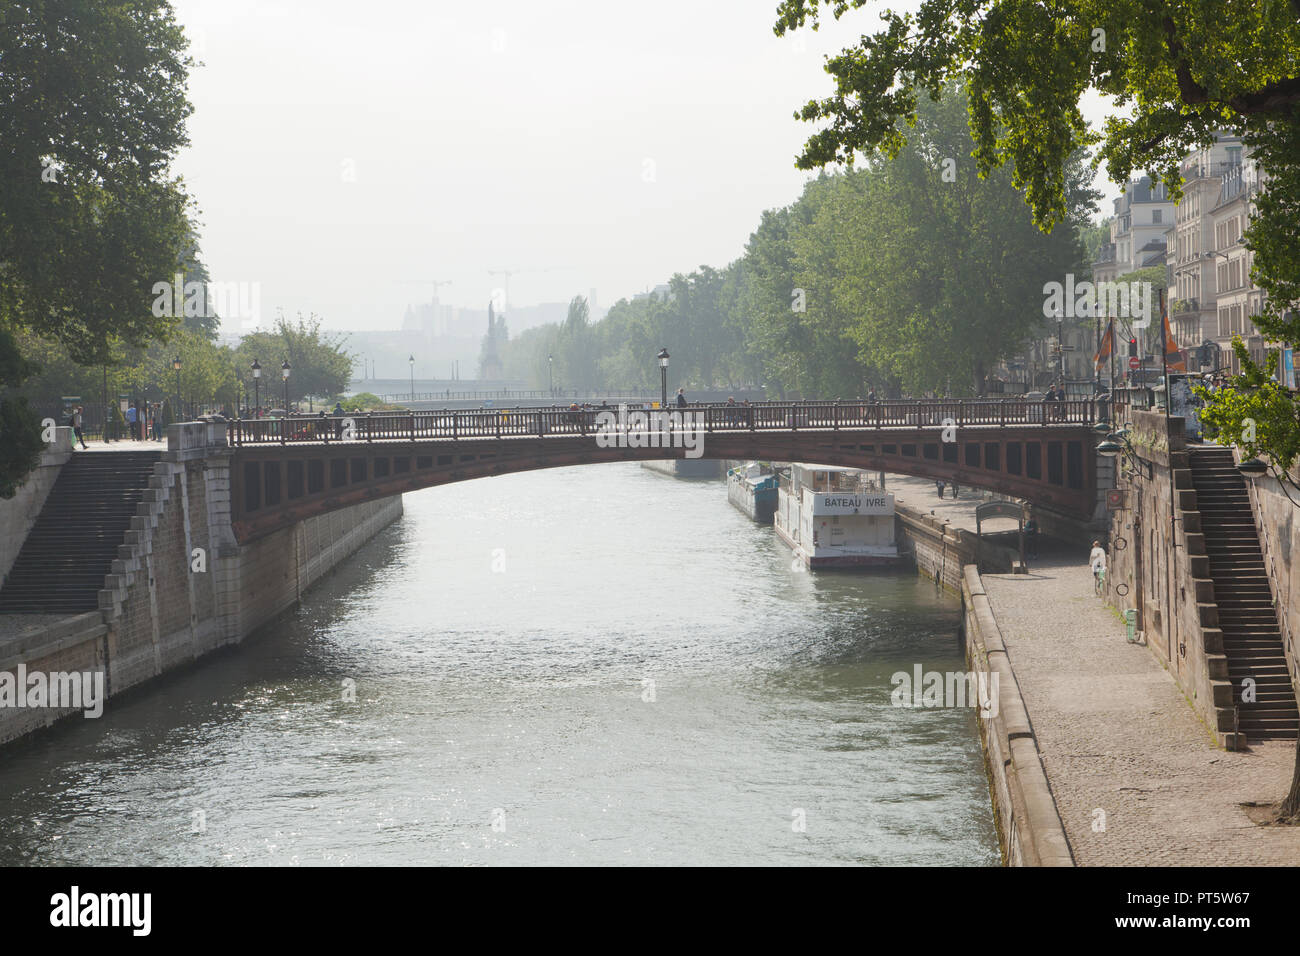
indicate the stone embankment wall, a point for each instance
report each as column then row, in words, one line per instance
column 182, row 586
column 941, row 551
column 1159, row 567
column 1029, row 825
column 19, row 513
column 1277, row 520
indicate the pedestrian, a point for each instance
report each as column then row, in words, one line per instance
column 76, row 428
column 131, row 416
column 1031, row 536
column 871, row 395
column 940, row 485
column 338, row 407
column 954, row 491
column 1097, row 562
column 157, row 423
column 681, row 398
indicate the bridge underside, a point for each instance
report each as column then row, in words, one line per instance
column 276, row 486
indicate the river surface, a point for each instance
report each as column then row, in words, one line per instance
column 591, row 665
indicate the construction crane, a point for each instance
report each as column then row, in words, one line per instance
column 436, row 283
column 505, row 288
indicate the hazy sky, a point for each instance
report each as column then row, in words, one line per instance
column 342, row 152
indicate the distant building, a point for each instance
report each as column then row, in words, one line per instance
column 1137, row 231
column 662, row 292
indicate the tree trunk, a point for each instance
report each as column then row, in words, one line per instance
column 1290, row 809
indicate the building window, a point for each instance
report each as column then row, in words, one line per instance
column 1155, row 215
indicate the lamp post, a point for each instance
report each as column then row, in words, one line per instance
column 257, row 388
column 284, row 373
column 412, row 361
column 176, row 364
column 1060, row 344
column 1117, row 444
column 663, row 378
column 550, row 372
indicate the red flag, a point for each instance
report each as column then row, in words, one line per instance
column 1107, row 344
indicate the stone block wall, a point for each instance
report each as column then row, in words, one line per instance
column 1278, row 520
column 74, row 645
column 181, row 585
column 1029, row 825
column 941, row 551
column 1157, row 565
column 19, row 513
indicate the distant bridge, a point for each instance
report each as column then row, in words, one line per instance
column 285, row 470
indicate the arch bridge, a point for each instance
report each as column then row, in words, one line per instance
column 286, row 470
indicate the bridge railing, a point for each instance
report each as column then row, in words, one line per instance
column 455, row 424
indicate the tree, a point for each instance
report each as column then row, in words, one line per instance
column 318, row 364
column 1093, row 235
column 92, row 112
column 20, row 432
column 1179, row 71
column 948, row 267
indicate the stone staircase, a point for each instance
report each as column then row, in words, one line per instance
column 63, row 563
column 1252, row 641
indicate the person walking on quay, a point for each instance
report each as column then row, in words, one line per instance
column 1097, row 561
column 131, row 417
column 157, row 423
column 76, row 428
column 954, row 491
column 1031, row 536
column 681, row 398
column 939, row 484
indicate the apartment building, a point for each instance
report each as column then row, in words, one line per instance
column 1238, row 300
column 1193, row 282
column 1137, row 231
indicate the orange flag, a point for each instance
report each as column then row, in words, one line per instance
column 1173, row 356
column 1107, row 344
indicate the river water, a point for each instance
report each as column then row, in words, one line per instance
column 591, row 665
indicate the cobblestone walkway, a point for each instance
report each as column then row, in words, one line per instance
column 1115, row 731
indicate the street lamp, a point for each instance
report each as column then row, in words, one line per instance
column 550, row 372
column 663, row 378
column 1253, row 468
column 412, row 361
column 1117, row 443
column 257, row 388
column 284, row 373
column 176, row 364
column 1060, row 343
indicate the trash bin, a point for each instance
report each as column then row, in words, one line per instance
column 1130, row 624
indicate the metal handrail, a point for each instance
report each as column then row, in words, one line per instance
column 502, row 423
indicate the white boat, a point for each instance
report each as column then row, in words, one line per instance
column 835, row 518
column 752, row 488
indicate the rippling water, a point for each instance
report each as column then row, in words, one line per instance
column 583, row 665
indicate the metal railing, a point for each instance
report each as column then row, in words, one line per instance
column 455, row 424
column 568, row 394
